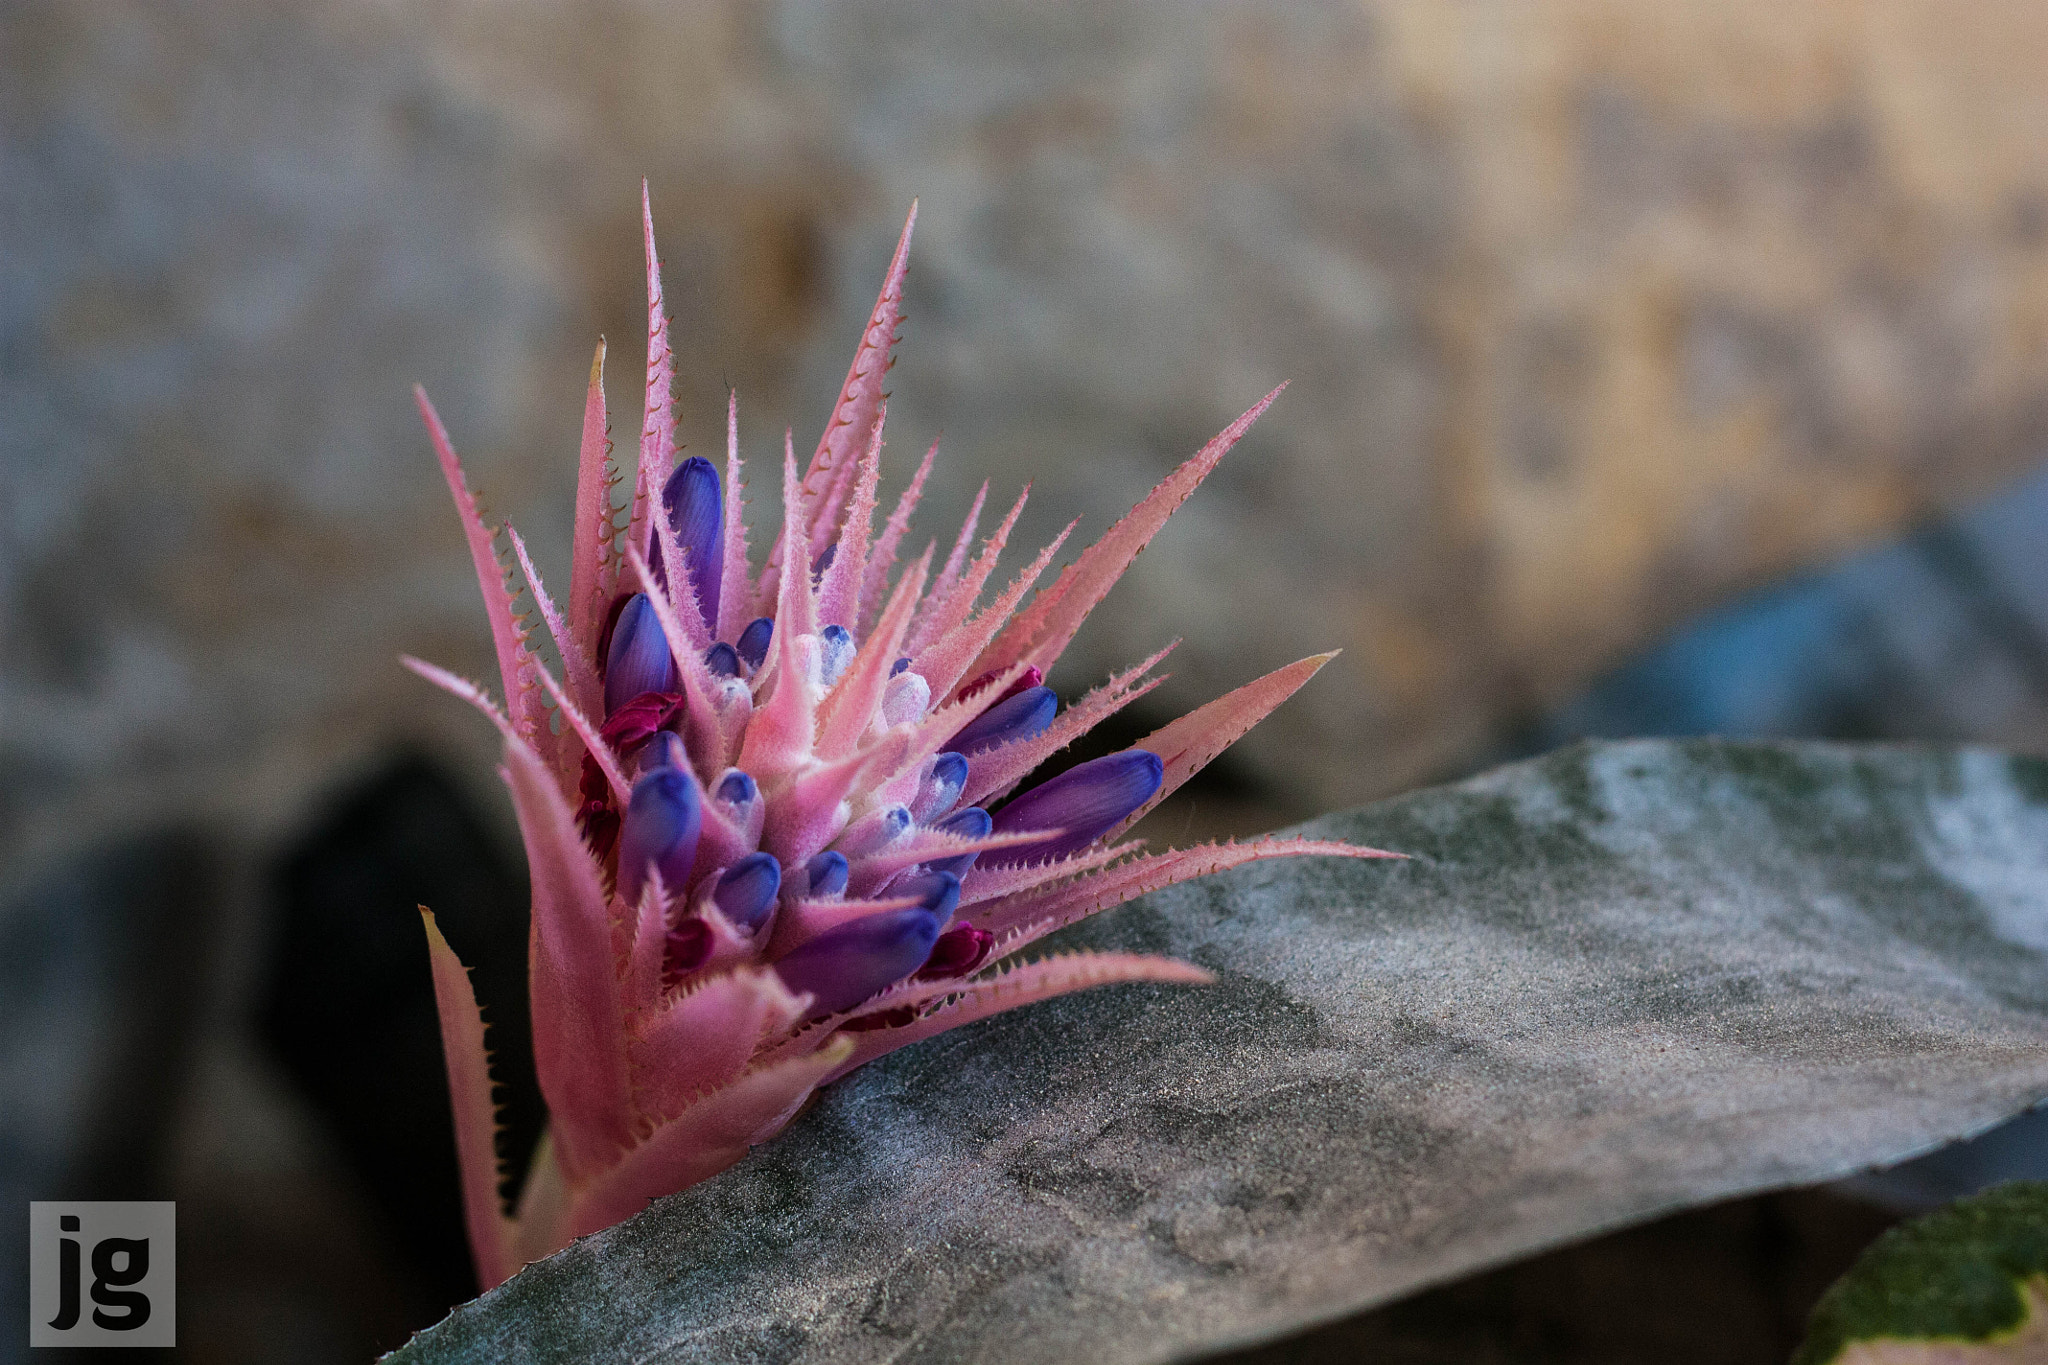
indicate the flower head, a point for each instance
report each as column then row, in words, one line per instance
column 771, row 815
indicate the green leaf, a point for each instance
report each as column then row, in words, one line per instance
column 1618, row 981
column 1976, row 1272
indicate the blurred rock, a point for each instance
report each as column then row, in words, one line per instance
column 1594, row 313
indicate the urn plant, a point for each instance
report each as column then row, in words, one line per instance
column 784, row 816
column 783, row 820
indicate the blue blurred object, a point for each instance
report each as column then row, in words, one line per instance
column 1941, row 636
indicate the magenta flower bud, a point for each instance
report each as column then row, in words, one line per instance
column 660, row 831
column 845, row 965
column 958, row 952
column 1020, row 717
column 1084, row 802
column 737, row 789
column 971, row 822
column 1023, row 682
column 664, row 750
column 696, row 513
column 825, row 875
column 685, row 948
column 746, row 891
column 940, row 891
column 639, row 660
column 723, row 660
column 753, row 642
column 632, row 723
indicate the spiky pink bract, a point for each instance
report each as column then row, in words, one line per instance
column 666, row 1037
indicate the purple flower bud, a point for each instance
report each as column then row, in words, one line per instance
column 639, row 660
column 746, row 891
column 899, row 665
column 723, row 660
column 664, row 750
column 1084, row 801
column 940, row 787
column 737, row 788
column 696, row 513
column 972, row 822
column 845, row 965
column 940, row 891
column 753, row 642
column 1019, row 717
column 660, row 831
column 826, row 874
column 837, row 653
column 824, row 563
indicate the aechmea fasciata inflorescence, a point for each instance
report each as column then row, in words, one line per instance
column 771, row 815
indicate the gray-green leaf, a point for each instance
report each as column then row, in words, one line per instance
column 1617, row 981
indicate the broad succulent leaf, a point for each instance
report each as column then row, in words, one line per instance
column 1618, row 981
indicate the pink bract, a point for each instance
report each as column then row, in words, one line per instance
column 668, row 1036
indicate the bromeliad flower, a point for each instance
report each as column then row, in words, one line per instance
column 769, row 815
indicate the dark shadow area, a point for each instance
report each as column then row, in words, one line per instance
column 348, row 1010
column 1726, row 1285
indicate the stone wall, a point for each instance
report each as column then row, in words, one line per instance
column 1595, row 312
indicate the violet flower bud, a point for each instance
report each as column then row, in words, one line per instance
column 873, row 832
column 825, row 875
column 939, row 788
column 836, row 654
column 723, row 660
column 970, row 822
column 940, row 891
column 660, row 831
column 664, row 750
column 1083, row 802
column 845, row 965
column 746, row 891
column 1020, row 717
column 639, row 660
column 696, row 513
column 737, row 789
column 824, row 563
column 906, row 698
column 753, row 642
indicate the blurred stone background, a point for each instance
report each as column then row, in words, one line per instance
column 1597, row 315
